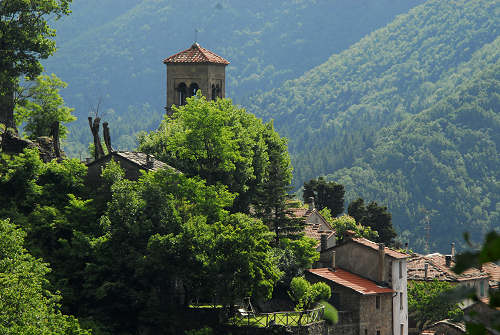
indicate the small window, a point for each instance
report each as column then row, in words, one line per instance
column 400, row 269
column 377, row 302
column 401, row 300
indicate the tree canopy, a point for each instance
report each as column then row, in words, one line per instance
column 327, row 194
column 26, row 304
column 26, row 38
column 376, row 217
column 42, row 107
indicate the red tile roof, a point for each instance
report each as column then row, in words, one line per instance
column 437, row 269
column 388, row 251
column 493, row 271
column 196, row 54
column 350, row 280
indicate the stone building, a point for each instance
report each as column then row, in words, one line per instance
column 439, row 267
column 369, row 282
column 131, row 162
column 191, row 70
column 316, row 227
column 367, row 305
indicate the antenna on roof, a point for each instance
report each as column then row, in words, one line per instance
column 196, row 35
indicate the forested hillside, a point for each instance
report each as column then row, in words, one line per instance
column 113, row 50
column 443, row 163
column 331, row 114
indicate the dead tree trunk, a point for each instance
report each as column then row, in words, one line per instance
column 55, row 138
column 94, row 128
column 107, row 137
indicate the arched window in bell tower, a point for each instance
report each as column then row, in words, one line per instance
column 218, row 91
column 192, row 89
column 181, row 89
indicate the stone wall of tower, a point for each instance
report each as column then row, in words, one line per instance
column 204, row 75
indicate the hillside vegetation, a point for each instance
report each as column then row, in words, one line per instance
column 114, row 50
column 441, row 163
column 331, row 114
column 408, row 117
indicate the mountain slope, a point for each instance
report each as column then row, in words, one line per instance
column 442, row 163
column 333, row 112
column 113, row 49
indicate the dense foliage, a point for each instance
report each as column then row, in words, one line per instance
column 225, row 145
column 42, row 106
column 26, row 304
column 427, row 303
column 306, row 295
column 336, row 117
column 442, row 163
column 326, row 194
column 344, row 223
column 25, row 38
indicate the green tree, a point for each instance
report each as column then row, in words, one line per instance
column 306, row 295
column 216, row 141
column 272, row 204
column 426, row 303
column 374, row 216
column 344, row 223
column 293, row 256
column 26, row 304
column 223, row 144
column 327, row 194
column 43, row 107
column 24, row 39
column 49, row 202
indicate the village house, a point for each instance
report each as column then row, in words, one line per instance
column 368, row 282
column 437, row 266
column 131, row 162
column 316, row 226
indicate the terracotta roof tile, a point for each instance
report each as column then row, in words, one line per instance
column 493, row 271
column 437, row 269
column 354, row 282
column 388, row 251
column 196, row 54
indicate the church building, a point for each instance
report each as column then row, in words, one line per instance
column 191, row 70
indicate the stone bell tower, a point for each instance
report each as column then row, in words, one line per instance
column 191, row 70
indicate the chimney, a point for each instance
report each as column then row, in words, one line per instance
column 332, row 263
column 310, row 203
column 453, row 250
column 426, row 270
column 324, row 242
column 448, row 260
column 381, row 263
column 349, row 235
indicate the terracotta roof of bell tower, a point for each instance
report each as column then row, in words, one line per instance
column 196, row 54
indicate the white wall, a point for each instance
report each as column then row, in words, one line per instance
column 400, row 286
